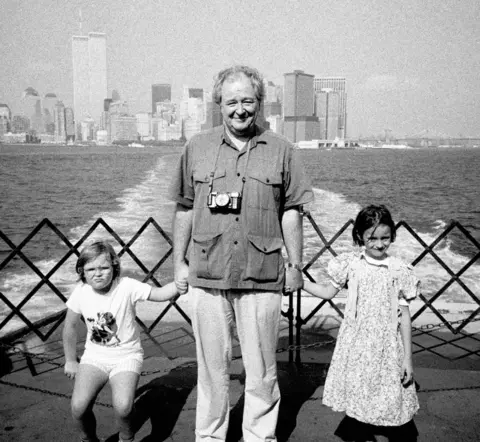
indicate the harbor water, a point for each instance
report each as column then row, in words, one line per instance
column 74, row 186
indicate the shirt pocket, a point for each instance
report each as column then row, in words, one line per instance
column 208, row 262
column 265, row 189
column 202, row 180
column 263, row 258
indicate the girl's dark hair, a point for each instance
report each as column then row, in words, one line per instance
column 94, row 250
column 371, row 216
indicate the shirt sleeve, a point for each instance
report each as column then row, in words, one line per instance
column 408, row 285
column 182, row 187
column 139, row 291
column 73, row 302
column 298, row 190
column 337, row 270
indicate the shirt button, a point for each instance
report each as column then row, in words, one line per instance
column 238, row 173
column 268, row 180
column 236, row 219
column 235, row 242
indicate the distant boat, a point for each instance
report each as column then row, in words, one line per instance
column 135, row 145
column 313, row 144
column 395, row 146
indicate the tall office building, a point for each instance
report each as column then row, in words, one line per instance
column 300, row 123
column 20, row 124
column 195, row 92
column 89, row 55
column 160, row 92
column 334, row 94
column 69, row 124
column 5, row 112
column 59, row 121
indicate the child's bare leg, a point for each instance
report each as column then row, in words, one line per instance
column 124, row 385
column 88, row 383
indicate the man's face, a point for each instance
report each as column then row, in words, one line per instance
column 239, row 105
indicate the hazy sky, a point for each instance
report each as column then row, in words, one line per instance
column 410, row 65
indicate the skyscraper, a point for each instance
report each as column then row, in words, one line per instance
column 69, row 124
column 59, row 120
column 298, row 94
column 335, row 95
column 300, row 123
column 160, row 92
column 89, row 55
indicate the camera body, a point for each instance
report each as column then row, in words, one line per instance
column 226, row 201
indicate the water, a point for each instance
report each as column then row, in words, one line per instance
column 74, row 186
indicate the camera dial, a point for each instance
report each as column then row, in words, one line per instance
column 222, row 199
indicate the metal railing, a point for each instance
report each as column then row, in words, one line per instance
column 293, row 314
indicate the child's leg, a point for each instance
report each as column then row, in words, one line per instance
column 88, row 383
column 124, row 385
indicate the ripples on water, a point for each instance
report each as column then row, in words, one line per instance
column 73, row 187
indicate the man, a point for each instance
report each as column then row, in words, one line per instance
column 238, row 191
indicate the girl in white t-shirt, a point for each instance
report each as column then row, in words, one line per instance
column 113, row 350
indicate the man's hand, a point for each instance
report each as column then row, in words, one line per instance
column 181, row 277
column 293, row 280
column 71, row 369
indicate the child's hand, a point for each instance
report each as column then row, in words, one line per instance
column 407, row 372
column 71, row 369
column 182, row 287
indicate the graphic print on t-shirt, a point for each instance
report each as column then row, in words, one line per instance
column 104, row 329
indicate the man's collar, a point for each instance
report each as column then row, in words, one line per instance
column 258, row 137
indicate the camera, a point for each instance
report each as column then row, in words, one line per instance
column 224, row 201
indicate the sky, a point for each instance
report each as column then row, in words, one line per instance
column 412, row 67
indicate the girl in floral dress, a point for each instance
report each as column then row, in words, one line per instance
column 371, row 374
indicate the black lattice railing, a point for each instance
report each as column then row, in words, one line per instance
column 293, row 315
column 437, row 340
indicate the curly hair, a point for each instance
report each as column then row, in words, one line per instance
column 232, row 72
column 93, row 250
column 372, row 216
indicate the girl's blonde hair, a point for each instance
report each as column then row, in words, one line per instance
column 94, row 250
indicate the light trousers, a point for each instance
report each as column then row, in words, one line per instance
column 257, row 317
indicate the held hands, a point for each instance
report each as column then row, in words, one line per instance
column 181, row 278
column 71, row 369
column 407, row 372
column 293, row 280
column 182, row 287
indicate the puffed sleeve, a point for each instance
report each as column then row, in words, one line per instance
column 408, row 285
column 337, row 270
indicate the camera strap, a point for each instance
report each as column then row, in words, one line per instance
column 212, row 173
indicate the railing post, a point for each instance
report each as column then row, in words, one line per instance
column 298, row 325
column 290, row 327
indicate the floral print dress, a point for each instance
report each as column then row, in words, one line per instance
column 364, row 378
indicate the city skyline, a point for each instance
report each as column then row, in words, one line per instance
column 409, row 68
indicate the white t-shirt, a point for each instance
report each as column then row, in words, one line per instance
column 110, row 318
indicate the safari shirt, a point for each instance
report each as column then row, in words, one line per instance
column 239, row 250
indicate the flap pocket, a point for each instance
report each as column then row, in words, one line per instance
column 266, row 244
column 203, row 176
column 272, row 179
column 206, row 238
column 208, row 262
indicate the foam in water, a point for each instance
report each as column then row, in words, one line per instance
column 331, row 211
column 150, row 198
column 136, row 205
